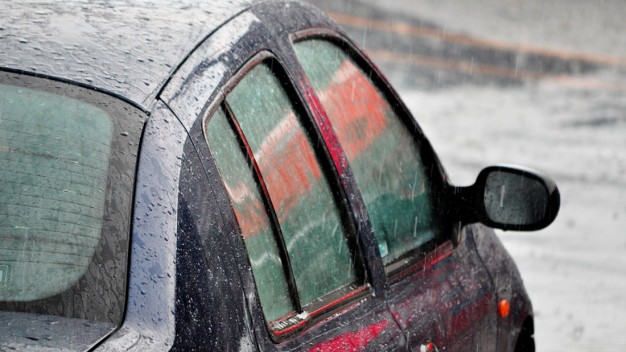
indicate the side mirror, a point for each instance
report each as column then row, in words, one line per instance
column 510, row 198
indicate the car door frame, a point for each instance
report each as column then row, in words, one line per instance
column 192, row 94
column 471, row 299
column 402, row 299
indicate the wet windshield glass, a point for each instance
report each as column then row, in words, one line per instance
column 65, row 190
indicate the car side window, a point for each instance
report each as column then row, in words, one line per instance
column 252, row 216
column 382, row 152
column 265, row 137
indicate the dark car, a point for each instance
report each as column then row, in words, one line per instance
column 236, row 175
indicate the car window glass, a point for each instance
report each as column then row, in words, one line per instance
column 382, row 152
column 54, row 153
column 298, row 189
column 68, row 161
column 249, row 208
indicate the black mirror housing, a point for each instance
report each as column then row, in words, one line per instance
column 509, row 198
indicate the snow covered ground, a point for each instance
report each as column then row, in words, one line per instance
column 575, row 270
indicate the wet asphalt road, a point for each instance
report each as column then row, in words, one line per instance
column 554, row 100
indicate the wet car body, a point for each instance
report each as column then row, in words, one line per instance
column 189, row 282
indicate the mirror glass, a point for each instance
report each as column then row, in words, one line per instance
column 514, row 199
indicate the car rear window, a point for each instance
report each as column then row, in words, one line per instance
column 68, row 159
column 54, row 152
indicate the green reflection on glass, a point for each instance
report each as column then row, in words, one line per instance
column 300, row 193
column 252, row 218
column 54, row 153
column 383, row 154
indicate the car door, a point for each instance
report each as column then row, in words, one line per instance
column 439, row 291
column 297, row 228
column 307, row 283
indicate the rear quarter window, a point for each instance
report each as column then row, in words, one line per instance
column 299, row 190
column 285, row 197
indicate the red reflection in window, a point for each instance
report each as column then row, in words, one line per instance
column 356, row 108
column 287, row 154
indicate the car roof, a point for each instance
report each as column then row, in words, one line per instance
column 126, row 47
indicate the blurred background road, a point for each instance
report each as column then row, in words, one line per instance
column 531, row 82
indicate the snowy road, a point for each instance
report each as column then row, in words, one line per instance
column 575, row 270
column 542, row 84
